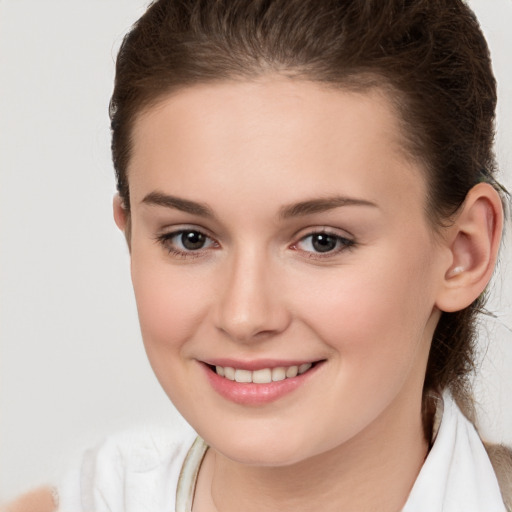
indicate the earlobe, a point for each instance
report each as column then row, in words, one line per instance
column 473, row 241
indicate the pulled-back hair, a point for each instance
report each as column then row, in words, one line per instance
column 429, row 56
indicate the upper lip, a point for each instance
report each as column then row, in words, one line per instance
column 257, row 364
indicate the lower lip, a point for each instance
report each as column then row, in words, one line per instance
column 256, row 394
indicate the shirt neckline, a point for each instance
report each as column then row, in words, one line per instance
column 188, row 475
column 449, row 424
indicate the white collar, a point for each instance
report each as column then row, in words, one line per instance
column 457, row 475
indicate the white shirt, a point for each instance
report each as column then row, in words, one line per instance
column 155, row 470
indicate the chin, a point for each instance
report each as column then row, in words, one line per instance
column 263, row 458
column 261, row 452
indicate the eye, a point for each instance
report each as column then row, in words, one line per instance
column 190, row 240
column 186, row 242
column 323, row 243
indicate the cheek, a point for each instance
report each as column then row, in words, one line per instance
column 372, row 310
column 169, row 302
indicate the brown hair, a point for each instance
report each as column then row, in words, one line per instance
column 429, row 55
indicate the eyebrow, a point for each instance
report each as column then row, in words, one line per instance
column 184, row 205
column 300, row 209
column 321, row 205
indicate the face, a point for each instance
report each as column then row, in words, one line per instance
column 279, row 238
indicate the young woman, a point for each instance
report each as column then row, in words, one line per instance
column 307, row 190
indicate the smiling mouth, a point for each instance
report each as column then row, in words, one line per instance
column 263, row 375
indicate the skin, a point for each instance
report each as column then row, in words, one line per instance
column 38, row 500
column 258, row 289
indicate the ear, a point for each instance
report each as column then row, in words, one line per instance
column 120, row 214
column 473, row 241
column 122, row 217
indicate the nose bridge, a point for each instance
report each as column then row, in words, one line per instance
column 249, row 303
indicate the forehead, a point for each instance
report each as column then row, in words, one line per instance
column 236, row 135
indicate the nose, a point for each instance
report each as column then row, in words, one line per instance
column 251, row 305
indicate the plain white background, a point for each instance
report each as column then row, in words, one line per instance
column 72, row 366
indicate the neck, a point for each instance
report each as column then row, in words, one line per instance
column 374, row 471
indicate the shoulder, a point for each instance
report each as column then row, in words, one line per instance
column 132, row 467
column 38, row 500
column 501, row 460
column 141, row 449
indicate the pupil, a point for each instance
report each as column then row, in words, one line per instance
column 192, row 240
column 324, row 243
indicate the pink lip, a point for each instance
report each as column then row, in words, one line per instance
column 256, row 394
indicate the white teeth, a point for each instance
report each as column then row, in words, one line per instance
column 229, row 373
column 263, row 376
column 292, row 371
column 243, row 376
column 304, row 368
column 278, row 374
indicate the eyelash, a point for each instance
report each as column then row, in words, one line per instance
column 342, row 243
column 165, row 240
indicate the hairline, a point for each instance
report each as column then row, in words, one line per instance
column 358, row 82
